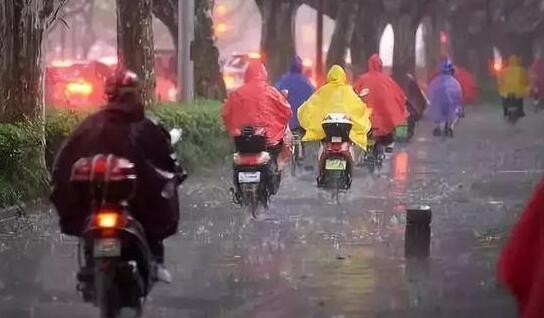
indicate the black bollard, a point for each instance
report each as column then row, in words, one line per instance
column 417, row 243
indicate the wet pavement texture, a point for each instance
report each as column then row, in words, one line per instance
column 307, row 256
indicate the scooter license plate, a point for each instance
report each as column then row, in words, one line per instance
column 107, row 248
column 249, row 177
column 336, row 139
column 336, row 164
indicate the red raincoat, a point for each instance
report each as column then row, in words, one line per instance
column 256, row 103
column 386, row 98
column 521, row 265
column 468, row 84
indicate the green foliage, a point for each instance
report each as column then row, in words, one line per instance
column 23, row 173
column 204, row 140
column 22, row 170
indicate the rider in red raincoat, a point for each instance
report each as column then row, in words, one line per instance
column 258, row 104
column 385, row 98
column 521, row 265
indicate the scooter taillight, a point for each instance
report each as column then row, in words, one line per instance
column 109, row 219
column 337, row 147
column 251, row 159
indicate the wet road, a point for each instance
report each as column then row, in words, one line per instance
column 307, row 257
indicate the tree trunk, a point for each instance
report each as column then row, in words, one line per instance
column 22, row 27
column 404, row 51
column 460, row 40
column 431, row 38
column 135, row 47
column 278, row 34
column 365, row 41
column 343, row 33
column 209, row 81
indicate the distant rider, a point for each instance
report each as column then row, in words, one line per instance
column 299, row 89
column 445, row 98
column 514, row 85
column 336, row 96
column 385, row 98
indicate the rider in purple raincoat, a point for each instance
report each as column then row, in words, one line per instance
column 445, row 97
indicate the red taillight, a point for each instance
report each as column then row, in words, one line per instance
column 251, row 159
column 109, row 219
column 337, row 147
column 79, row 87
column 100, row 166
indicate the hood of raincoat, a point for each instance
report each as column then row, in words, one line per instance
column 257, row 104
column 337, row 75
column 514, row 61
column 445, row 98
column 256, row 72
column 386, row 99
column 375, row 63
column 514, row 79
column 296, row 65
column 336, row 96
column 521, row 264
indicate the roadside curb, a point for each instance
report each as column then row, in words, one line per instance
column 12, row 211
column 18, row 209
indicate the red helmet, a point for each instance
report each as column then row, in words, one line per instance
column 121, row 83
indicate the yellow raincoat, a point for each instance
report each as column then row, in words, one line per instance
column 336, row 96
column 514, row 79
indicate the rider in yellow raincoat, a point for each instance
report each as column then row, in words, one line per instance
column 336, row 96
column 514, row 83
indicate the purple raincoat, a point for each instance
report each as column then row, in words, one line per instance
column 445, row 96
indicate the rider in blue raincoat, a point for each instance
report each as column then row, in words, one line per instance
column 445, row 97
column 299, row 89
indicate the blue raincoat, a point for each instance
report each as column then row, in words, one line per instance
column 298, row 86
column 445, row 96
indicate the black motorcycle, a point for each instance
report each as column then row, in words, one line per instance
column 256, row 177
column 116, row 264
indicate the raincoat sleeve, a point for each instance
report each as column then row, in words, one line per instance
column 455, row 94
column 401, row 99
column 501, row 83
column 360, row 116
column 282, row 106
